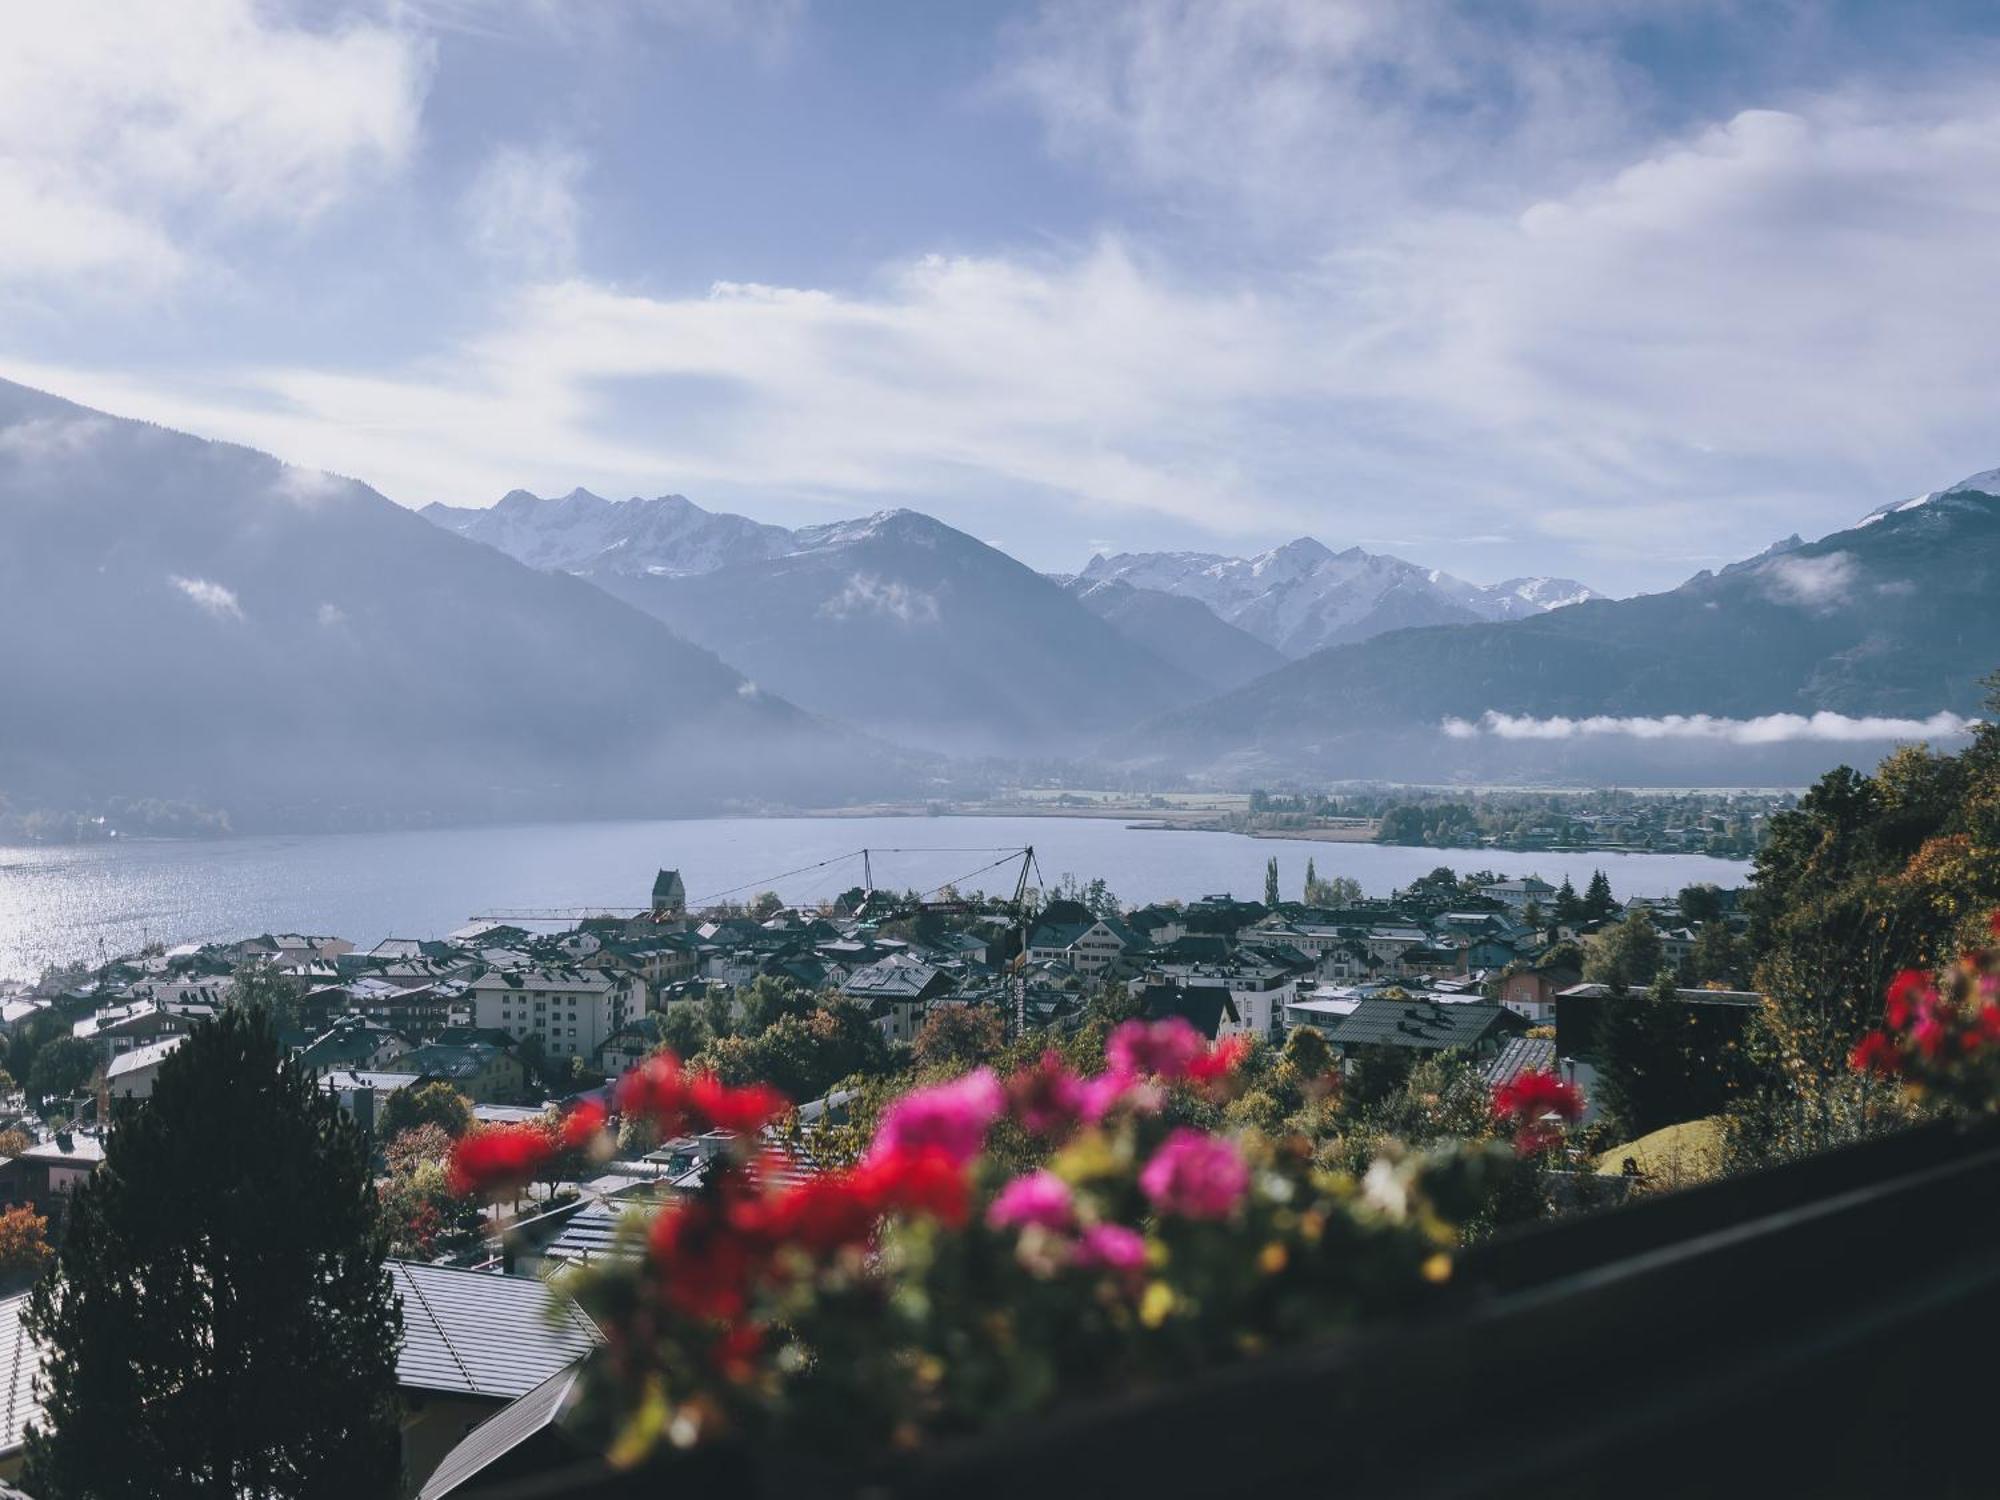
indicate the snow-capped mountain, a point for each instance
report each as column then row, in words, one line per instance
column 1985, row 482
column 1304, row 596
column 896, row 619
column 584, row 533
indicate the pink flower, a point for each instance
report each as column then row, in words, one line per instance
column 1168, row 1048
column 1040, row 1198
column 951, row 1118
column 1196, row 1175
column 1048, row 1099
column 1114, row 1090
column 1110, row 1247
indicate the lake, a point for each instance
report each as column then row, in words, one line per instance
column 59, row 904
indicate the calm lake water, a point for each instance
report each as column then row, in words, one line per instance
column 68, row 903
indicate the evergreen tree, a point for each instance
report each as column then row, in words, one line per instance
column 1598, row 902
column 1312, row 878
column 1569, row 906
column 1271, row 883
column 218, row 1322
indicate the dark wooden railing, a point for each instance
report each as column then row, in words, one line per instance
column 1830, row 1327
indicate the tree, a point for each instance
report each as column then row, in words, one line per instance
column 1625, row 955
column 1341, row 890
column 1532, row 915
column 1717, row 957
column 1701, row 902
column 13, row 1143
column 766, row 904
column 1598, row 902
column 260, row 983
column 959, row 1036
column 218, row 1320
column 24, row 1245
column 1569, row 906
column 1271, row 882
column 435, row 1103
column 62, row 1067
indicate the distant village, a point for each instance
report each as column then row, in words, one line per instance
column 514, row 1021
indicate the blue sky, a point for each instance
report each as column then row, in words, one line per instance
column 1615, row 291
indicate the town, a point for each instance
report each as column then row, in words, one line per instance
column 500, row 1024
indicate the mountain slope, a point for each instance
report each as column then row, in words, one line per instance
column 187, row 619
column 1303, row 597
column 1178, row 629
column 922, row 632
column 1899, row 616
column 582, row 532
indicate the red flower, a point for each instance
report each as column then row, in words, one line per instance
column 705, row 1269
column 581, row 1125
column 499, row 1156
column 1220, row 1060
column 1876, row 1053
column 822, row 1214
column 1046, row 1099
column 920, row 1181
column 1534, row 1095
column 743, row 1110
column 656, row 1090
column 1907, row 993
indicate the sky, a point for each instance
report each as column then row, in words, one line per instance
column 1613, row 291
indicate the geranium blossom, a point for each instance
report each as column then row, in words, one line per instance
column 952, row 1118
column 499, row 1156
column 1195, row 1175
column 1164, row 1049
column 582, row 1125
column 1527, row 1101
column 1110, row 1247
column 1047, row 1099
column 1039, row 1198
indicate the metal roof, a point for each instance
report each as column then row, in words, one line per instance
column 1524, row 1054
column 500, row 1434
column 18, row 1364
column 1420, row 1024
column 473, row 1333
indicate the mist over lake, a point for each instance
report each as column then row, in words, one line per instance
column 73, row 902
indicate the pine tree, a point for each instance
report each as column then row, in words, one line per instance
column 1598, row 902
column 1271, row 883
column 218, row 1321
column 1312, row 878
column 1569, row 907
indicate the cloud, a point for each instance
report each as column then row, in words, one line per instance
column 129, row 130
column 522, row 209
column 896, row 601
column 1770, row 729
column 1493, row 292
column 1813, row 582
column 332, row 616
column 212, row 597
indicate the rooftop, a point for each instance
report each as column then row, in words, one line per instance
column 472, row 1333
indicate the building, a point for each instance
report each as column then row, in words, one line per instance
column 1516, row 895
column 571, row 1011
column 1478, row 1028
column 133, row 1074
column 1090, row 948
column 472, row 1343
column 670, row 897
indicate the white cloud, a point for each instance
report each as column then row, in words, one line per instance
column 1503, row 314
column 1769, row 729
column 1813, row 582
column 866, row 595
column 128, row 128
column 211, row 597
column 522, row 209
